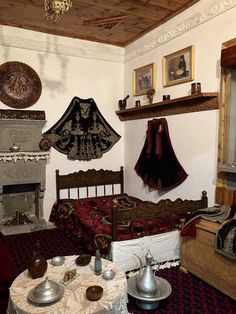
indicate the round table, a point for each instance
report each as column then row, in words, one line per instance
column 114, row 299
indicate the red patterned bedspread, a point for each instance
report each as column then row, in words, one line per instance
column 86, row 217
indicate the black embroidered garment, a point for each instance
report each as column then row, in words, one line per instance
column 157, row 164
column 82, row 132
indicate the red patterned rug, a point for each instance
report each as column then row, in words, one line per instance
column 190, row 295
column 53, row 242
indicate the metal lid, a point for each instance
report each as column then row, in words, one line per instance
column 46, row 292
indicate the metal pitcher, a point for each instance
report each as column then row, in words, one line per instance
column 146, row 283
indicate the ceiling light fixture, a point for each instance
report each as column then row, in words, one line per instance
column 55, row 8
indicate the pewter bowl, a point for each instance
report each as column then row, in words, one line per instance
column 46, row 292
column 58, row 260
column 108, row 274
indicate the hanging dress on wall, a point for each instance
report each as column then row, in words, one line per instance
column 157, row 164
column 82, row 132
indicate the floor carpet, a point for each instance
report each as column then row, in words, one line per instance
column 53, row 242
column 190, row 295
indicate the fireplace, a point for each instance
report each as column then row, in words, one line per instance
column 20, row 198
column 22, row 172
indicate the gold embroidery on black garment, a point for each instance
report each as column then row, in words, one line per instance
column 82, row 132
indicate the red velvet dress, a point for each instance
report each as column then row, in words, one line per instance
column 157, row 164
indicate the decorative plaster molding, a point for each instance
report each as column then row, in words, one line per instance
column 98, row 52
column 116, row 54
column 211, row 11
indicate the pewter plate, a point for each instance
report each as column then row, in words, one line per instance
column 42, row 301
column 164, row 289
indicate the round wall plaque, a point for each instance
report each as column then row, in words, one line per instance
column 20, row 85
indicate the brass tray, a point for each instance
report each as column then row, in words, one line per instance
column 20, row 85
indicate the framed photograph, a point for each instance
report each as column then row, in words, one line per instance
column 178, row 67
column 144, row 79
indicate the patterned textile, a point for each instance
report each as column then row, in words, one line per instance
column 82, row 132
column 226, row 239
column 93, row 216
column 190, row 295
column 215, row 213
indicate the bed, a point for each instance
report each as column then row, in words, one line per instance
column 92, row 206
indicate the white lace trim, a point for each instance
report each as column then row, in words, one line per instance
column 156, row 266
column 14, row 156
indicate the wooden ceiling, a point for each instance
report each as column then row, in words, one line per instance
column 115, row 22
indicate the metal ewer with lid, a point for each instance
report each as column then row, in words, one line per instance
column 146, row 283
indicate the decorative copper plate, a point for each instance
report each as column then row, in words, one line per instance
column 20, row 85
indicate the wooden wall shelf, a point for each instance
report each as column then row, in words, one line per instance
column 227, row 168
column 192, row 103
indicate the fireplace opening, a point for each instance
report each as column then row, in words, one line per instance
column 20, row 203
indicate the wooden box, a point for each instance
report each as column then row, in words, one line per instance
column 198, row 256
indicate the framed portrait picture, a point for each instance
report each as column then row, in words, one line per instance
column 144, row 79
column 178, row 67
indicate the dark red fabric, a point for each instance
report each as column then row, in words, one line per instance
column 83, row 219
column 189, row 230
column 157, row 164
column 6, row 273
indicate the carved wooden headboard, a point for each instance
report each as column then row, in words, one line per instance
column 89, row 178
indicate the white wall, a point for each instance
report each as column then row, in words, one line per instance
column 69, row 67
column 194, row 136
column 81, row 69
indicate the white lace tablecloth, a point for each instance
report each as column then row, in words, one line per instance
column 114, row 299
